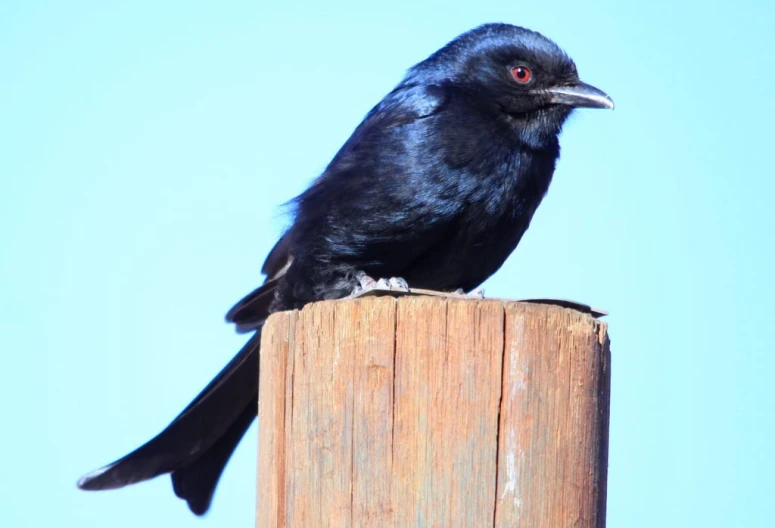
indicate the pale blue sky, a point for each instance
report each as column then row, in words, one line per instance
column 145, row 149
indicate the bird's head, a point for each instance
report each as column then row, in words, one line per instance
column 513, row 71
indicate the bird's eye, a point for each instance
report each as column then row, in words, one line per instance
column 521, row 74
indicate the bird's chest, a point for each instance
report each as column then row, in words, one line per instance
column 497, row 212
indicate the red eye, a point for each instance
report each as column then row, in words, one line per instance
column 521, row 74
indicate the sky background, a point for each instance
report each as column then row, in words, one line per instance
column 145, row 149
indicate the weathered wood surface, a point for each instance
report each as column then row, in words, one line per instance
column 425, row 411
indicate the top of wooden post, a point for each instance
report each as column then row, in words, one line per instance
column 426, row 411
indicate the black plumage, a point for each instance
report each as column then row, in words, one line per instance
column 437, row 185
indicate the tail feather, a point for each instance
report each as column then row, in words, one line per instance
column 202, row 436
column 195, row 483
column 196, row 446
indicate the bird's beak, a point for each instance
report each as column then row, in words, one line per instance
column 580, row 95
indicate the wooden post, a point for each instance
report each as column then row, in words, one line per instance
column 426, row 411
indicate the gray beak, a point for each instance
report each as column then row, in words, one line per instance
column 580, row 95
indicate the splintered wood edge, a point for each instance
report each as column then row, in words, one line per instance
column 415, row 292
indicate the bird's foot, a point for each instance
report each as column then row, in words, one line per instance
column 369, row 286
column 396, row 283
column 365, row 282
column 473, row 294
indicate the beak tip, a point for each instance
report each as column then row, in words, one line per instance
column 581, row 95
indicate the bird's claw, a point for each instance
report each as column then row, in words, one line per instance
column 397, row 283
column 367, row 285
column 366, row 282
column 477, row 293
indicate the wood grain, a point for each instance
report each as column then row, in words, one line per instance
column 276, row 341
column 553, row 440
column 425, row 411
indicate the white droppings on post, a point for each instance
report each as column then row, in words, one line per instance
column 516, row 374
column 512, row 452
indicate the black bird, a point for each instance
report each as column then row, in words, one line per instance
column 437, row 185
